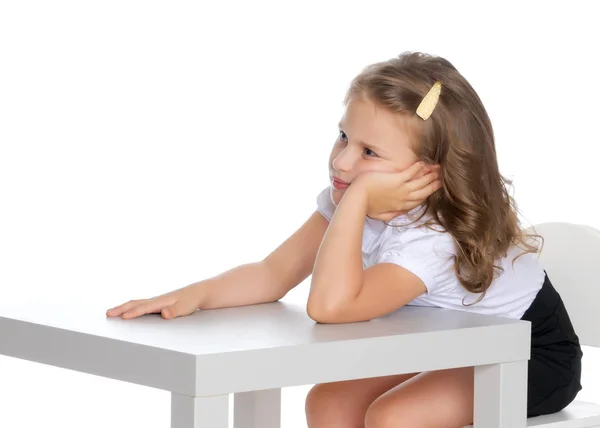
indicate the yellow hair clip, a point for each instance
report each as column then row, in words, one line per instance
column 430, row 100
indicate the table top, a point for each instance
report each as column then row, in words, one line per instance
column 254, row 347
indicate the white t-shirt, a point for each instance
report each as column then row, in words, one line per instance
column 428, row 254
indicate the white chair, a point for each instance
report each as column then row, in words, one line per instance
column 571, row 257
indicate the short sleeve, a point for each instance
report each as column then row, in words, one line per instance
column 325, row 205
column 426, row 253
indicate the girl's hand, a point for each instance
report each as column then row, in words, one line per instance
column 170, row 305
column 390, row 194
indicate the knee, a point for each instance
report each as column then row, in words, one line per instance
column 325, row 408
column 320, row 405
column 384, row 413
column 314, row 403
column 379, row 415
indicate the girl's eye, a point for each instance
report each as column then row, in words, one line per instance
column 367, row 151
column 344, row 138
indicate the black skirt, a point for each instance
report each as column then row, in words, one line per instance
column 554, row 369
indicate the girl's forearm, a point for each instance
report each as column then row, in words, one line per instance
column 338, row 271
column 247, row 284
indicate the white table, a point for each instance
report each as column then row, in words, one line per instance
column 256, row 350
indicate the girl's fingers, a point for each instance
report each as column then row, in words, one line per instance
column 138, row 311
column 411, row 172
column 178, row 309
column 133, row 313
column 418, row 170
column 422, row 182
column 147, row 307
column 121, row 309
column 424, row 192
column 137, row 308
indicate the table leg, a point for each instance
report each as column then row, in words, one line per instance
column 501, row 395
column 257, row 409
column 199, row 412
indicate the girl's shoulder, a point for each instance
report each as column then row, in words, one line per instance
column 324, row 203
column 426, row 251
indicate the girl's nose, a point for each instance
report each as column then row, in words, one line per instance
column 343, row 161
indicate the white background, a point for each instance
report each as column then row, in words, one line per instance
column 146, row 145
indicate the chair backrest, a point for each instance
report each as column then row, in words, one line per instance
column 571, row 257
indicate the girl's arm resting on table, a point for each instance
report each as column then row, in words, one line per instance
column 252, row 283
column 272, row 278
column 386, row 287
column 341, row 291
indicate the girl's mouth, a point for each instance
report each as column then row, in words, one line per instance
column 339, row 185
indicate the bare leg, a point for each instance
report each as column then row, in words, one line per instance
column 344, row 404
column 438, row 399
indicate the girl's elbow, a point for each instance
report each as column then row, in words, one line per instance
column 318, row 316
column 322, row 313
column 336, row 313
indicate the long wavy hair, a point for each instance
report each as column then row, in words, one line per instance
column 474, row 204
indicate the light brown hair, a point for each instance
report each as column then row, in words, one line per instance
column 474, row 204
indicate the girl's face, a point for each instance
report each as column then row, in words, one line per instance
column 371, row 138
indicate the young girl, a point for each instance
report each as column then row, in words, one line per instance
column 417, row 214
